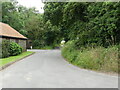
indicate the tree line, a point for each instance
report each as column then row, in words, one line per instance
column 88, row 23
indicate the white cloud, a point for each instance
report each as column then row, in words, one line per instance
column 33, row 3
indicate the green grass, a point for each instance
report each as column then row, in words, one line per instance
column 44, row 48
column 98, row 58
column 5, row 61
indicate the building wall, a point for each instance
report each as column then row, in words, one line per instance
column 0, row 40
column 0, row 47
column 21, row 42
column 12, row 40
column 29, row 44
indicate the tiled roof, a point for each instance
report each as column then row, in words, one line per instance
column 6, row 30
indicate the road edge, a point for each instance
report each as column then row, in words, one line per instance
column 7, row 65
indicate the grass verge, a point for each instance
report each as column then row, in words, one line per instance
column 10, row 59
column 98, row 58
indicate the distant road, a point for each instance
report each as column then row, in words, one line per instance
column 48, row 69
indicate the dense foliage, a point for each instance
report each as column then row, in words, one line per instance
column 87, row 23
column 15, row 49
column 10, row 49
column 98, row 58
column 5, row 49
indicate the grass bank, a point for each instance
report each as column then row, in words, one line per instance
column 10, row 59
column 98, row 58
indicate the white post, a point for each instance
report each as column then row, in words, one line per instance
column 31, row 47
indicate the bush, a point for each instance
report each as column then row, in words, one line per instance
column 69, row 51
column 98, row 58
column 15, row 49
column 5, row 49
column 8, row 48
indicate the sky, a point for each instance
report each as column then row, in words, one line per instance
column 32, row 3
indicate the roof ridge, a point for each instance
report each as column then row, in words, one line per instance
column 8, row 31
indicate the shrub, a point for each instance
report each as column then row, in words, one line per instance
column 15, row 49
column 69, row 52
column 5, row 49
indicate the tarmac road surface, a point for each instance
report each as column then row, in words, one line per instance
column 48, row 69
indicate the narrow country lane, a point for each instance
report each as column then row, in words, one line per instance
column 48, row 69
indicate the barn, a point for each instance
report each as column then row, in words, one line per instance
column 8, row 33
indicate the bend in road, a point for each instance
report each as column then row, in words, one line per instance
column 48, row 69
